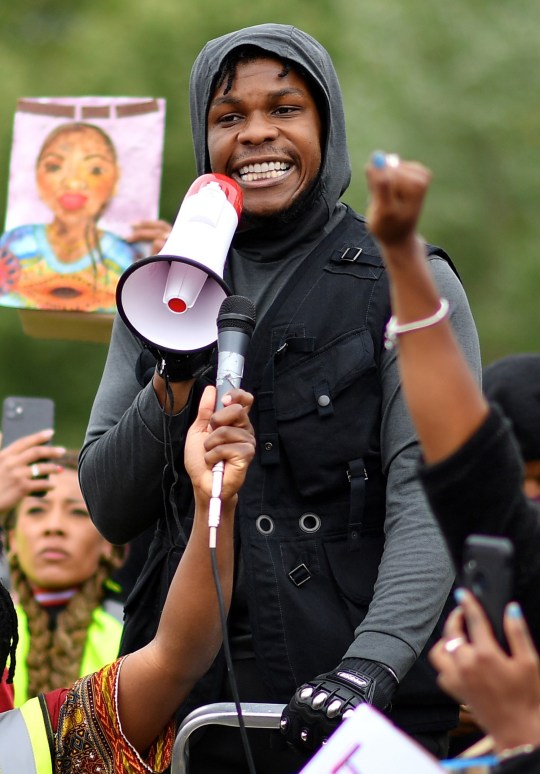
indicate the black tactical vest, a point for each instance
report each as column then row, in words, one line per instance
column 310, row 517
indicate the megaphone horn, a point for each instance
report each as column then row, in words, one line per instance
column 171, row 300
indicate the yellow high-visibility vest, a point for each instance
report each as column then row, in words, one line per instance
column 26, row 739
column 101, row 648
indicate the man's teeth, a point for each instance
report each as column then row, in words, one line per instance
column 264, row 171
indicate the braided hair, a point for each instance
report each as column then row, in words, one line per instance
column 55, row 654
column 251, row 53
column 244, row 55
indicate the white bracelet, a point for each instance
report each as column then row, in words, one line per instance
column 394, row 329
column 512, row 752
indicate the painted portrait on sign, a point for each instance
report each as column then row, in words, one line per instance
column 75, row 167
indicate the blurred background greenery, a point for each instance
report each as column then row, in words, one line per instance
column 454, row 84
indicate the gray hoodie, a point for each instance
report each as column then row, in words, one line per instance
column 261, row 262
column 287, row 43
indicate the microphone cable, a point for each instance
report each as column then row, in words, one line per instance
column 230, row 667
column 235, row 323
column 217, row 583
column 169, row 458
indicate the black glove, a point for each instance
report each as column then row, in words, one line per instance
column 318, row 707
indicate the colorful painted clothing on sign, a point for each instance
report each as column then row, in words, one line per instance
column 32, row 276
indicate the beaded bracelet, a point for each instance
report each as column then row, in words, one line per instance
column 394, row 329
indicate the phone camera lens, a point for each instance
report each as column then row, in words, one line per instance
column 12, row 408
column 479, row 584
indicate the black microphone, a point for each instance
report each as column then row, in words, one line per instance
column 235, row 324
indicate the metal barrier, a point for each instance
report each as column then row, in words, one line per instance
column 224, row 714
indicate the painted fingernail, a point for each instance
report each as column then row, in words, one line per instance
column 513, row 610
column 378, row 159
column 459, row 595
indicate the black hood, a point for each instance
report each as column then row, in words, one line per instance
column 289, row 43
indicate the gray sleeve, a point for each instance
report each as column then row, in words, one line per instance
column 123, row 455
column 415, row 574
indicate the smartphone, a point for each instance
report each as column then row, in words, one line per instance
column 488, row 572
column 23, row 416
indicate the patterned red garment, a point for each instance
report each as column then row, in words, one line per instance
column 89, row 737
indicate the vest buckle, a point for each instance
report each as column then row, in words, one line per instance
column 351, row 254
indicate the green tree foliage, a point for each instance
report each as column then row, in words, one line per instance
column 452, row 84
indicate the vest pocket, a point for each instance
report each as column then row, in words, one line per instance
column 320, row 594
column 326, row 405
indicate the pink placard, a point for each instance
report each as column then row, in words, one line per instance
column 82, row 171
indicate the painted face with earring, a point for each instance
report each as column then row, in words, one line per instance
column 69, row 263
column 76, row 175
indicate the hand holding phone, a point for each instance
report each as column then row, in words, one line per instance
column 488, row 574
column 26, row 457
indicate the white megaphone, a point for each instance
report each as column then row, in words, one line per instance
column 171, row 300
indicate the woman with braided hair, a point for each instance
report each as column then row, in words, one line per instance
column 120, row 719
column 60, row 576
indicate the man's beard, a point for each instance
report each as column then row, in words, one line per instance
column 277, row 221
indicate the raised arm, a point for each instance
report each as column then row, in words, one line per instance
column 189, row 633
column 445, row 401
column 468, row 451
